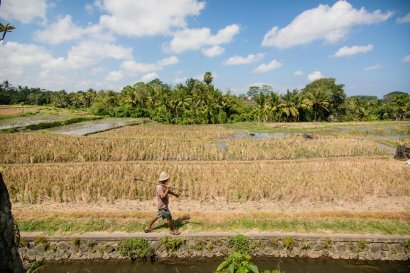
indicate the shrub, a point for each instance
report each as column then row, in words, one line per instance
column 327, row 243
column 76, row 241
column 306, row 244
column 210, row 246
column 198, row 246
column 171, row 243
column 91, row 243
column 289, row 243
column 135, row 248
column 24, row 242
column 240, row 244
column 42, row 241
column 361, row 244
column 274, row 242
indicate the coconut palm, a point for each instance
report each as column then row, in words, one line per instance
column 289, row 105
column 208, row 78
column 318, row 100
column 129, row 96
column 4, row 29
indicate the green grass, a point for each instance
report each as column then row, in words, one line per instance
column 43, row 117
column 51, row 124
column 334, row 225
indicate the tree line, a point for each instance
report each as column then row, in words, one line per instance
column 199, row 102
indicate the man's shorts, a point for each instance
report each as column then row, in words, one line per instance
column 164, row 213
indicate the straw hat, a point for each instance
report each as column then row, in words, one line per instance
column 163, row 176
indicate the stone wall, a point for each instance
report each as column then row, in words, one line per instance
column 393, row 249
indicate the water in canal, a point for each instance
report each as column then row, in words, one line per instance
column 288, row 265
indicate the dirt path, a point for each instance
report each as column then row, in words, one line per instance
column 369, row 205
column 113, row 236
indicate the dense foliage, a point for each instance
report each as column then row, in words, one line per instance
column 135, row 248
column 199, row 102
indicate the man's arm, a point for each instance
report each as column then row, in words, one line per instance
column 169, row 188
column 167, row 191
column 173, row 193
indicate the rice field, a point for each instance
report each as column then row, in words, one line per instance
column 294, row 181
column 40, row 148
column 179, row 132
column 11, row 110
column 220, row 167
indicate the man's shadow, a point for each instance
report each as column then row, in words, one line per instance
column 178, row 223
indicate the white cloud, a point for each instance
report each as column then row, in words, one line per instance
column 168, row 61
column 139, row 67
column 65, row 30
column 404, row 20
column 132, row 66
column 97, row 70
column 213, row 51
column 96, row 5
column 144, row 18
column 237, row 60
column 258, row 84
column 149, row 77
column 406, row 59
column 32, row 65
column 298, row 73
column 20, row 61
column 14, row 54
column 114, row 76
column 349, row 51
column 85, row 54
column 61, row 31
column 194, row 39
column 24, row 11
column 373, row 67
column 180, row 79
column 315, row 75
column 322, row 23
column 263, row 68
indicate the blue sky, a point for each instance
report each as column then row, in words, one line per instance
column 108, row 44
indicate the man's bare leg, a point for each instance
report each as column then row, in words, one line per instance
column 149, row 227
column 171, row 228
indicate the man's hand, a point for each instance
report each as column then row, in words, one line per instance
column 176, row 195
column 169, row 187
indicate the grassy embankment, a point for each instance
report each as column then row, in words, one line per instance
column 14, row 118
column 338, row 166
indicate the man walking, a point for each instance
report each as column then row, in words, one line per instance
column 162, row 190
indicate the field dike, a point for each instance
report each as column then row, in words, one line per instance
column 211, row 245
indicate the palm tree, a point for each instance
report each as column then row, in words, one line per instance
column 208, row 78
column 5, row 28
column 179, row 103
column 289, row 105
column 272, row 103
column 319, row 100
column 129, row 96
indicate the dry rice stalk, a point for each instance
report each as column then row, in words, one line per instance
column 350, row 179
